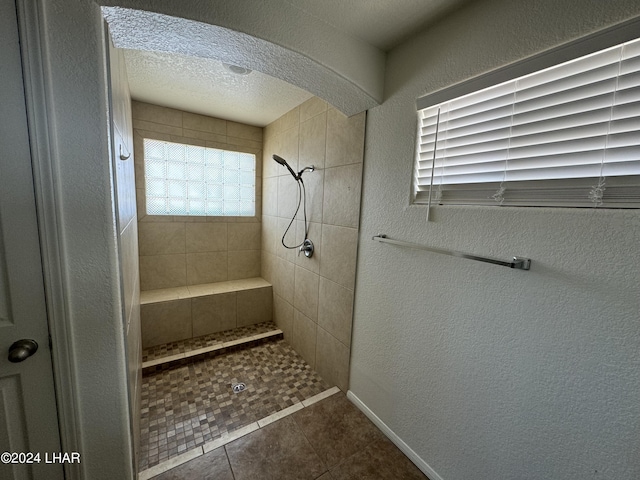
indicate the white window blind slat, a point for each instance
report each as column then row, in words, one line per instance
column 548, row 138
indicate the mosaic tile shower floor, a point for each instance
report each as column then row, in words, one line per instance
column 189, row 405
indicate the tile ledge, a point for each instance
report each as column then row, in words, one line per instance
column 201, row 290
column 199, row 351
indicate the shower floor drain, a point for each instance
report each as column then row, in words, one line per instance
column 238, row 387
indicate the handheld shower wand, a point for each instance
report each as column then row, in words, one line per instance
column 306, row 246
column 297, row 176
column 284, row 163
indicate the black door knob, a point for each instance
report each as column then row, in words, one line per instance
column 22, row 349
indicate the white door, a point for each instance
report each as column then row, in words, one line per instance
column 28, row 417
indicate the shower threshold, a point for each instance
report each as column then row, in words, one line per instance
column 192, row 348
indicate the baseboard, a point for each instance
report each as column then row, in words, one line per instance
column 413, row 456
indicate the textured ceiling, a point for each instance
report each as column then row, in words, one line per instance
column 205, row 86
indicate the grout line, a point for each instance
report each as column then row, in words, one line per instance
column 230, row 437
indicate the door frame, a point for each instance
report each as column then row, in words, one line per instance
column 49, row 224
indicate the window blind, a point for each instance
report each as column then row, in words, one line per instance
column 568, row 135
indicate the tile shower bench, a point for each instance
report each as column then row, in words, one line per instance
column 175, row 314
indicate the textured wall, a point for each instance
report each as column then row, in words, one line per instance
column 176, row 251
column 127, row 227
column 483, row 371
column 77, row 102
column 313, row 297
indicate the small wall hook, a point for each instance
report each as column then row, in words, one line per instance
column 124, row 153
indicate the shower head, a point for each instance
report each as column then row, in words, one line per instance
column 284, row 163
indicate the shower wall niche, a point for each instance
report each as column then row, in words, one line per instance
column 313, row 297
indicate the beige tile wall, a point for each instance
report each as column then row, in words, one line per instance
column 177, row 251
column 128, row 232
column 313, row 298
column 176, row 314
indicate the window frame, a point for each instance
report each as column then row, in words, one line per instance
column 595, row 42
column 185, row 141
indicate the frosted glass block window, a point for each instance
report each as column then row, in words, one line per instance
column 191, row 180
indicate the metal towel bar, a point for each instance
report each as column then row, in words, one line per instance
column 517, row 262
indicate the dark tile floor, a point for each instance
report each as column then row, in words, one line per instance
column 186, row 406
column 329, row 440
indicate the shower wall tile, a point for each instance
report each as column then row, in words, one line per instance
column 283, row 315
column 339, row 248
column 270, row 234
column 192, row 137
column 254, row 306
column 243, row 264
column 206, row 237
column 162, row 235
column 304, row 337
column 251, row 145
column 315, row 234
column 287, row 196
column 289, row 150
column 240, row 130
column 213, row 313
column 312, row 107
column 268, row 262
column 138, row 152
column 332, row 360
column 283, row 283
column 162, row 271
column 287, row 121
column 129, row 267
column 203, row 123
column 165, row 322
column 271, row 145
column 244, row 236
column 207, row 267
column 270, row 195
column 319, row 289
column 160, row 238
column 156, row 127
column 345, row 138
column 289, row 254
column 157, row 114
column 335, row 310
column 128, row 232
column 314, row 183
column 313, row 141
column 341, row 205
column 306, row 292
